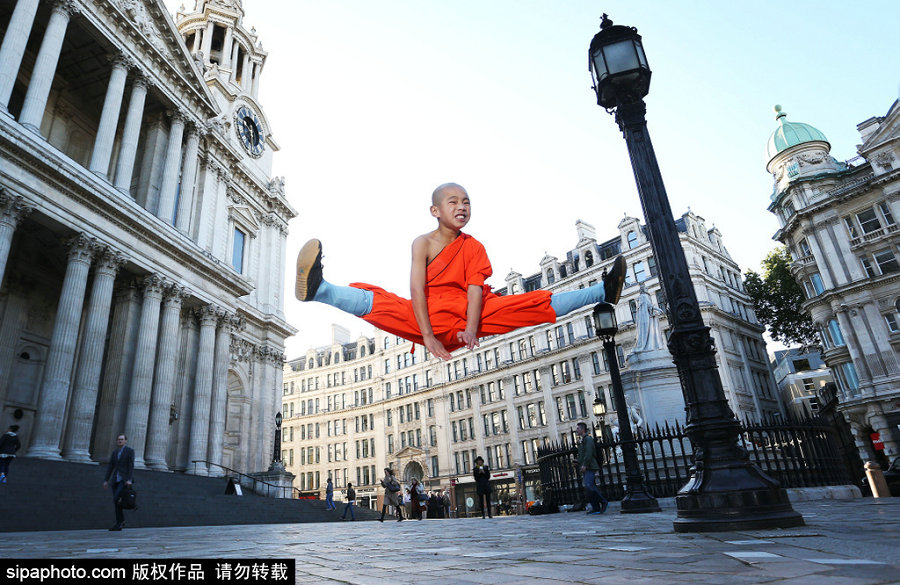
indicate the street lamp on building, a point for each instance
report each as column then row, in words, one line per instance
column 726, row 491
column 637, row 499
column 276, row 454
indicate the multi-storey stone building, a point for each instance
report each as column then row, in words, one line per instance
column 355, row 407
column 138, row 228
column 838, row 221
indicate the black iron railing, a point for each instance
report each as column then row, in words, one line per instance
column 257, row 486
column 798, row 453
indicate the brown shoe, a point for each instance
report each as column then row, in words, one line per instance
column 615, row 280
column 309, row 270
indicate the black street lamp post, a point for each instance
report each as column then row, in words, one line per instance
column 276, row 454
column 726, row 491
column 637, row 499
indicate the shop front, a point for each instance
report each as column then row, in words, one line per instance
column 508, row 489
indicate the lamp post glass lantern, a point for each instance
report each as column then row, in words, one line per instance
column 637, row 499
column 726, row 491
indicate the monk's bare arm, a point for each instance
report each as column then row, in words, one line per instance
column 475, row 296
column 419, row 302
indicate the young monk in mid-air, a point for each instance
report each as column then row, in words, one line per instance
column 451, row 307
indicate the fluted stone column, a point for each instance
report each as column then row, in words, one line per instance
column 188, row 179
column 234, row 61
column 169, row 185
column 245, row 72
column 164, row 381
column 128, row 148
column 207, row 39
column 51, row 410
column 219, row 396
column 142, row 374
column 198, row 35
column 117, row 369
column 257, row 70
column 109, row 117
column 199, row 434
column 226, row 48
column 265, row 424
column 13, row 209
column 45, row 65
column 76, row 446
column 13, row 47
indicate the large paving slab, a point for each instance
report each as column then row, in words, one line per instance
column 844, row 542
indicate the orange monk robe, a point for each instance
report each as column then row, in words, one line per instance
column 461, row 263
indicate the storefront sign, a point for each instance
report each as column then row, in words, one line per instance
column 876, row 441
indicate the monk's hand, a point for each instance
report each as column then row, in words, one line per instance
column 436, row 347
column 469, row 339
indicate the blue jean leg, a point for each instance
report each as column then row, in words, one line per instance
column 593, row 493
column 329, row 502
column 349, row 506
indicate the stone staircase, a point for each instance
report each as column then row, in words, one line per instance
column 57, row 495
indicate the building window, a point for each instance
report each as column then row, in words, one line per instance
column 868, row 221
column 640, row 273
column 891, row 320
column 887, row 263
column 834, row 331
column 816, row 280
column 867, row 266
column 550, row 278
column 237, row 251
column 595, row 362
column 588, row 258
column 632, row 240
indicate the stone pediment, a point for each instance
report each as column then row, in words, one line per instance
column 888, row 129
column 157, row 45
column 409, row 452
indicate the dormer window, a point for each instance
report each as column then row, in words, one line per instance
column 632, row 240
column 588, row 259
column 550, row 277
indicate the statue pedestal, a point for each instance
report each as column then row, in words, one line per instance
column 280, row 482
column 651, row 381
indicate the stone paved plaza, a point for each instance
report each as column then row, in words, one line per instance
column 851, row 542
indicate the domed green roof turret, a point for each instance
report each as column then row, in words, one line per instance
column 790, row 134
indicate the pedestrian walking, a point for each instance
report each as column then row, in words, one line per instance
column 351, row 501
column 416, row 498
column 445, row 499
column 120, row 471
column 329, row 495
column 9, row 444
column 587, row 462
column 392, row 491
column 482, row 475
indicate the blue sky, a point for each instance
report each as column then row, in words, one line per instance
column 376, row 103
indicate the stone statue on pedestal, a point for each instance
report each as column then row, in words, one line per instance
column 649, row 337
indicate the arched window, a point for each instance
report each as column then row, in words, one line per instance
column 632, row 240
column 588, row 259
column 337, row 357
column 550, row 278
column 362, row 351
column 633, row 306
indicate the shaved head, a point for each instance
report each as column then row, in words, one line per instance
column 442, row 189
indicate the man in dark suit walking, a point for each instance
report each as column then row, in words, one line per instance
column 120, row 472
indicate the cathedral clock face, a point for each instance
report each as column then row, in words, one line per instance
column 249, row 131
